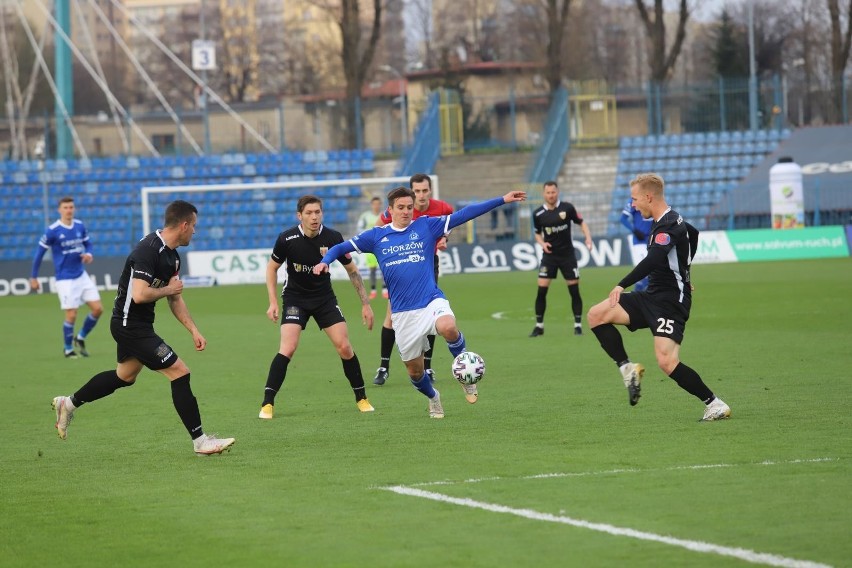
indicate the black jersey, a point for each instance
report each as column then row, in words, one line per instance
column 671, row 247
column 555, row 226
column 153, row 262
column 301, row 254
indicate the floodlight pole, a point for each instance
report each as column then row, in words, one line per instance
column 205, row 113
column 752, row 70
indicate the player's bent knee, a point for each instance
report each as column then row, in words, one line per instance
column 667, row 364
column 177, row 370
column 595, row 315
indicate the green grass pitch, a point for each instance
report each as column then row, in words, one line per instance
column 551, row 467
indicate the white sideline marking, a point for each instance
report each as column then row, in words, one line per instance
column 627, row 470
column 694, row 545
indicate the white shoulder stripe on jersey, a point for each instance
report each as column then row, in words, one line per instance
column 125, row 309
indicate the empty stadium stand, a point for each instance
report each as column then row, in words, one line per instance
column 107, row 195
column 699, row 168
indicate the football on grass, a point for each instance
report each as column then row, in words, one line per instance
column 468, row 368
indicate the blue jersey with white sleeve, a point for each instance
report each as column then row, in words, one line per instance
column 67, row 243
column 405, row 255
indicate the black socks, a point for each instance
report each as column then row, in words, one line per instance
column 352, row 370
column 101, row 385
column 388, row 339
column 275, row 378
column 540, row 304
column 691, row 382
column 611, row 341
column 187, row 406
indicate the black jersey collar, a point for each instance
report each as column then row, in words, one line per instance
column 669, row 208
column 302, row 231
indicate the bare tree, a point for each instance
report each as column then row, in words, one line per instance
column 557, row 17
column 661, row 62
column 840, row 43
column 356, row 57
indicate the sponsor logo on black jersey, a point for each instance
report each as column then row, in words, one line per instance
column 301, row 267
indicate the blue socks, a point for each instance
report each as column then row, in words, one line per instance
column 68, row 334
column 424, row 385
column 458, row 346
column 90, row 323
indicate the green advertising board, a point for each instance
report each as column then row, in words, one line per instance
column 769, row 244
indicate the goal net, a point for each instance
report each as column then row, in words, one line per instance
column 239, row 222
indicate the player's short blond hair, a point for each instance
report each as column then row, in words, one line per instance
column 649, row 182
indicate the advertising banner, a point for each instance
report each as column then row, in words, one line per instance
column 714, row 246
column 15, row 276
column 767, row 244
column 249, row 266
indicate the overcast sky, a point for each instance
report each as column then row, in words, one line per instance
column 710, row 9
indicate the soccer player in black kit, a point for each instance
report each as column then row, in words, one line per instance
column 552, row 224
column 151, row 272
column 663, row 307
column 306, row 295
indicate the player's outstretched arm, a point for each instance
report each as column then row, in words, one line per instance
column 514, row 196
column 333, row 254
column 474, row 210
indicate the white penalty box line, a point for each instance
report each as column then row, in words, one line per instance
column 693, row 545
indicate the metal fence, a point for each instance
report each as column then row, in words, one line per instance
column 497, row 119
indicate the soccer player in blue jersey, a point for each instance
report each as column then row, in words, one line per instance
column 404, row 249
column 640, row 228
column 69, row 243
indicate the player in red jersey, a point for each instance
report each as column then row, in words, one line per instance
column 421, row 184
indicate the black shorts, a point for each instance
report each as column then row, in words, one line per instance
column 566, row 263
column 665, row 317
column 437, row 264
column 325, row 312
column 139, row 341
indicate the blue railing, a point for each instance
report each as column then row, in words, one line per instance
column 551, row 152
column 423, row 154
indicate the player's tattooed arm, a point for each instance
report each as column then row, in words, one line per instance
column 358, row 283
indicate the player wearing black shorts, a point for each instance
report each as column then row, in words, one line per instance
column 552, row 224
column 308, row 296
column 663, row 307
column 151, row 272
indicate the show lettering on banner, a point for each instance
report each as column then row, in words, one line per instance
column 505, row 256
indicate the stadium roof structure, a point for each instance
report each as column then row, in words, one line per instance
column 825, row 154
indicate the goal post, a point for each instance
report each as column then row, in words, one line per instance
column 307, row 185
column 239, row 222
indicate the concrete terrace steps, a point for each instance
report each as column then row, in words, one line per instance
column 480, row 176
column 586, row 180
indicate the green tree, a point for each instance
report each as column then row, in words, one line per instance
column 730, row 50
